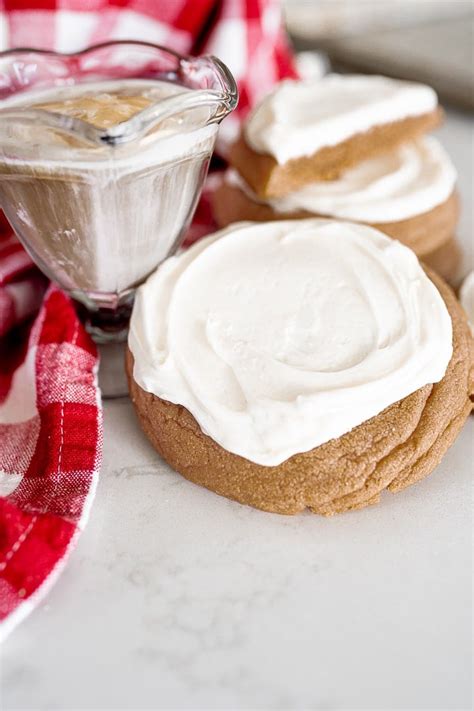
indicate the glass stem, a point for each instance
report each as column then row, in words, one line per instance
column 107, row 325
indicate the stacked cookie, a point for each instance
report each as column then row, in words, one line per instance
column 348, row 147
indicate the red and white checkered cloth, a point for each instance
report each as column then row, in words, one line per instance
column 50, row 432
column 50, row 410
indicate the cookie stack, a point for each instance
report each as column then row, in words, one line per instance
column 348, row 147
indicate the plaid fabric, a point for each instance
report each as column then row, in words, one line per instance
column 50, row 449
column 50, row 412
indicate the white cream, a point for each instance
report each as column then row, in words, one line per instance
column 300, row 117
column 466, row 297
column 280, row 336
column 46, row 149
column 415, row 178
column 101, row 217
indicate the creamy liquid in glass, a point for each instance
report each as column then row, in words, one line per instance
column 104, row 216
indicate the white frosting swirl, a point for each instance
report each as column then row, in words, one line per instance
column 280, row 336
column 395, row 186
column 300, row 117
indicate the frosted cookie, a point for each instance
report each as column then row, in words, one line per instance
column 314, row 130
column 294, row 365
column 408, row 194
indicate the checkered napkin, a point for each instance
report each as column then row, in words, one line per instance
column 50, row 410
column 50, row 432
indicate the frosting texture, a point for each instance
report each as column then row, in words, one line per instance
column 280, row 336
column 300, row 117
column 395, row 186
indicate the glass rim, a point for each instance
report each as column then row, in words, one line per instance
column 143, row 121
column 92, row 47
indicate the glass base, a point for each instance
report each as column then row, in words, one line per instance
column 109, row 330
column 112, row 377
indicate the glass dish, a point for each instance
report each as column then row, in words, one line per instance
column 99, row 207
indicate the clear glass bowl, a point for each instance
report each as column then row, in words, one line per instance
column 99, row 207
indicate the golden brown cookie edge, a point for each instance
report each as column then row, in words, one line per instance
column 267, row 178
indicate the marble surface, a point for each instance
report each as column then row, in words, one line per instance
column 178, row 599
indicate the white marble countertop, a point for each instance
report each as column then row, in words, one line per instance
column 178, row 599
